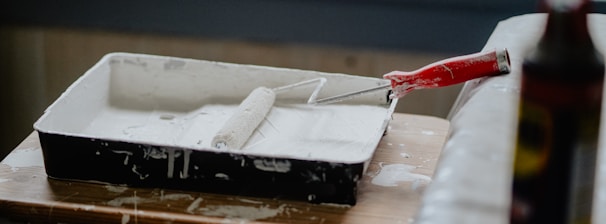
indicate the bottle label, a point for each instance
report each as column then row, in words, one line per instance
column 535, row 139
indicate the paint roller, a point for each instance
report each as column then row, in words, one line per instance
column 244, row 121
column 252, row 111
column 255, row 107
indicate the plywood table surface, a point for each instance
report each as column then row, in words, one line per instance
column 389, row 192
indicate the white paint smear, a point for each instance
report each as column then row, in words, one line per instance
column 115, row 189
column 242, row 212
column 250, row 201
column 391, row 175
column 272, row 165
column 125, row 218
column 194, row 205
column 177, row 197
column 88, row 207
column 22, row 158
column 117, row 202
column 428, row 132
column 336, row 205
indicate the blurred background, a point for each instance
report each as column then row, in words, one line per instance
column 47, row 45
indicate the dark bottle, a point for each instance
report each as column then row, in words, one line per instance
column 558, row 122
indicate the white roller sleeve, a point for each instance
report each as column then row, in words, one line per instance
column 240, row 126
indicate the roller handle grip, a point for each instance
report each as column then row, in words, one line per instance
column 450, row 71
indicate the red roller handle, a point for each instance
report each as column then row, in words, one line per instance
column 450, row 71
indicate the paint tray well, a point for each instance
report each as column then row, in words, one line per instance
column 147, row 121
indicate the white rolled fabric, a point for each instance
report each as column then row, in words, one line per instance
column 240, row 126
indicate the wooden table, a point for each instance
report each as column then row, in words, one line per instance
column 390, row 191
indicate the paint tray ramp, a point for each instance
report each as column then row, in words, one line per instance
column 147, row 121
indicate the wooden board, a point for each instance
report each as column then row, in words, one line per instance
column 26, row 194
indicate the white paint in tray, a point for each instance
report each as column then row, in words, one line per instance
column 296, row 131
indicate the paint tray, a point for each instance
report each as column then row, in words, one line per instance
column 147, row 121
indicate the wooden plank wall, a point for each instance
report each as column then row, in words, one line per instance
column 38, row 63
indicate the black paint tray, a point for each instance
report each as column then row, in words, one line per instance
column 147, row 121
